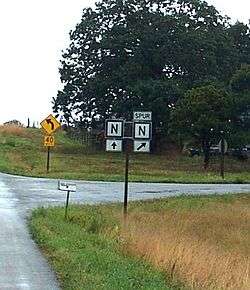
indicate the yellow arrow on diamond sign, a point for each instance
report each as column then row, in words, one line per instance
column 50, row 124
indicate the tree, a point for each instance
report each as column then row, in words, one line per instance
column 240, row 82
column 129, row 55
column 205, row 114
column 240, row 86
column 240, row 34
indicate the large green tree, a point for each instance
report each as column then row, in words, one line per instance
column 130, row 54
column 240, row 34
column 205, row 114
column 240, row 86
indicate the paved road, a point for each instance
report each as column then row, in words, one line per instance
column 21, row 264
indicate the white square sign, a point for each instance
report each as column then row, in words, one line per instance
column 142, row 130
column 113, row 145
column 142, row 146
column 114, row 128
column 66, row 186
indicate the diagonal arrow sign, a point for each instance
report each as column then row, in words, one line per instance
column 142, row 145
column 49, row 122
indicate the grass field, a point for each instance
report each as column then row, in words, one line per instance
column 85, row 258
column 22, row 152
column 199, row 242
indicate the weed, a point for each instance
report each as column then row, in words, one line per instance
column 12, row 130
column 202, row 242
column 84, row 258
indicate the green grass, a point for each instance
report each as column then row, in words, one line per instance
column 85, row 251
column 94, row 250
column 24, row 154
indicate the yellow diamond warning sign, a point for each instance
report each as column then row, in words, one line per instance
column 49, row 141
column 50, row 124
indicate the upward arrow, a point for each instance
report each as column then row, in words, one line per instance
column 114, row 145
column 49, row 122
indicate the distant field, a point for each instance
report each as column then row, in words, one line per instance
column 196, row 242
column 22, row 152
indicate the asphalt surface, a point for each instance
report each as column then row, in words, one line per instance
column 21, row 264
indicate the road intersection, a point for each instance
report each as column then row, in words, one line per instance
column 21, row 264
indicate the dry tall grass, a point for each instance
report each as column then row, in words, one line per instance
column 12, row 130
column 205, row 248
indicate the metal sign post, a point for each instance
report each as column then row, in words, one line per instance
column 67, row 205
column 139, row 131
column 48, row 158
column 66, row 186
column 223, row 149
column 222, row 162
column 125, row 202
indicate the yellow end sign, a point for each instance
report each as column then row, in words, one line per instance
column 49, row 141
column 50, row 124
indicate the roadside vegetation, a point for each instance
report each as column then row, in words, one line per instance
column 22, row 152
column 196, row 242
column 182, row 60
column 86, row 251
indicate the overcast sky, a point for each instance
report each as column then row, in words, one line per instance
column 33, row 34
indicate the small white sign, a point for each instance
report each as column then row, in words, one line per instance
column 114, row 128
column 142, row 116
column 141, row 146
column 66, row 186
column 113, row 145
column 142, row 130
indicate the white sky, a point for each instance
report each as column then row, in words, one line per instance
column 33, row 34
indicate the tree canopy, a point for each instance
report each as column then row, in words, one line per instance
column 240, row 86
column 206, row 114
column 126, row 55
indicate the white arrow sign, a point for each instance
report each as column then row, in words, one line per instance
column 114, row 145
column 141, row 146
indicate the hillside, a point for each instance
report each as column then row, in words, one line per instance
column 22, row 152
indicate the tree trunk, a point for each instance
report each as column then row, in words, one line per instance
column 206, row 150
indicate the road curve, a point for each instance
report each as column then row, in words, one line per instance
column 21, row 265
